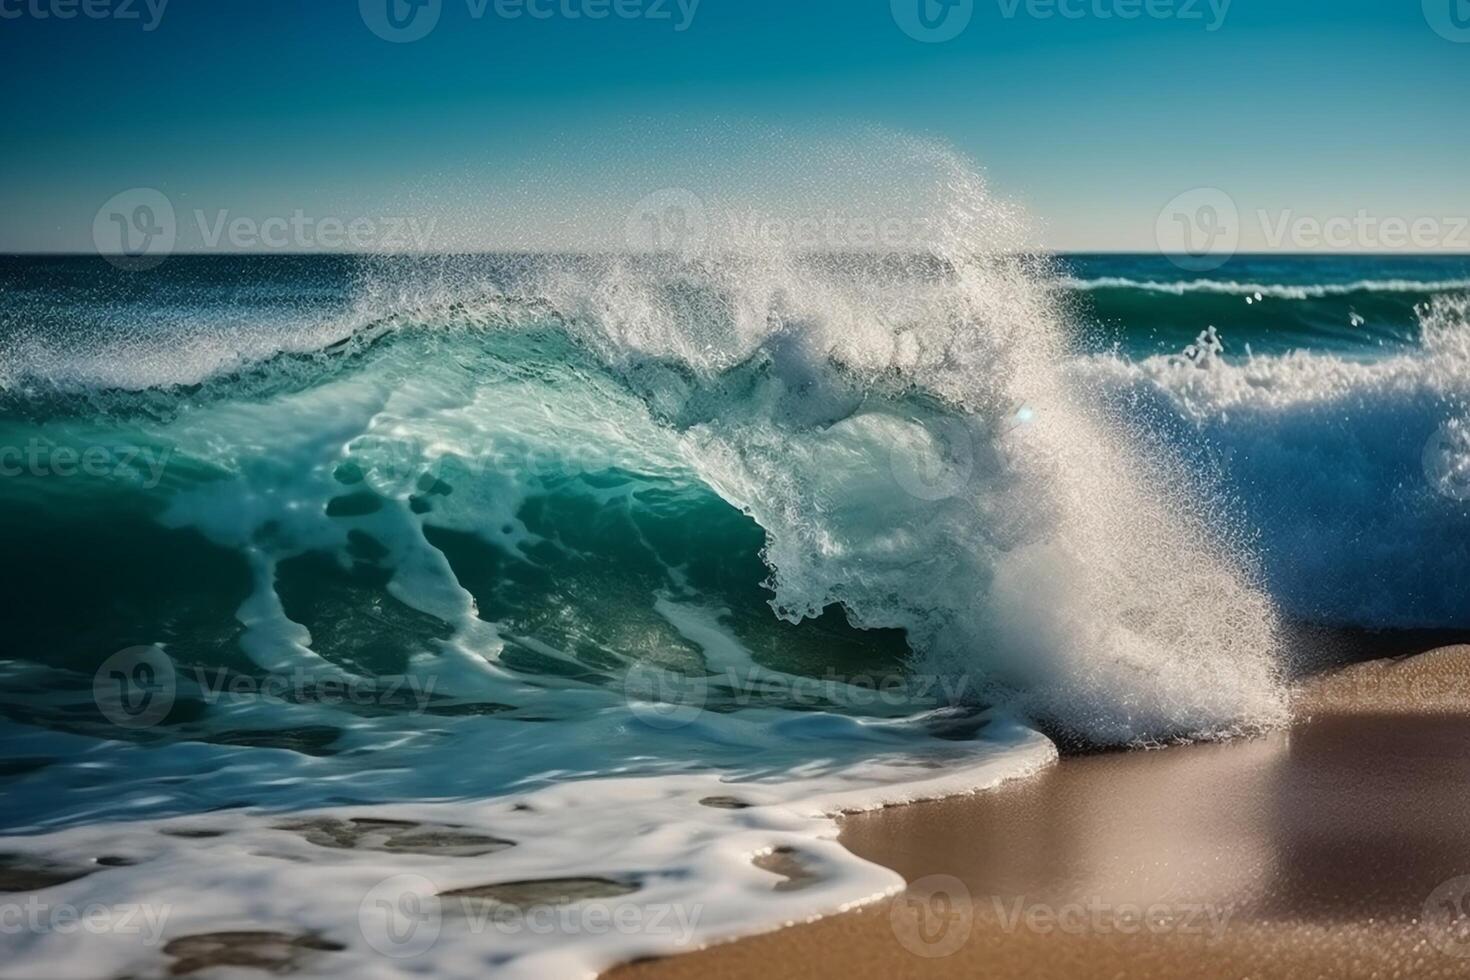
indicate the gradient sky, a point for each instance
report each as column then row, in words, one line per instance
column 509, row 130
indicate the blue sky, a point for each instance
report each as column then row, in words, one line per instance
column 510, row 130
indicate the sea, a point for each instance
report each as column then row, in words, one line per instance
column 526, row 614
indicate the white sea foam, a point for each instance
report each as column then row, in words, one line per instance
column 692, row 864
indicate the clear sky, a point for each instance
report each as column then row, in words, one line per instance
column 1093, row 114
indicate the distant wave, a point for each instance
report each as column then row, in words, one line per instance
column 1273, row 290
column 1354, row 473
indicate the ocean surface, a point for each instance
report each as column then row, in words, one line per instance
column 626, row 573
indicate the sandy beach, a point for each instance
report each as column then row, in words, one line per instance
column 1337, row 848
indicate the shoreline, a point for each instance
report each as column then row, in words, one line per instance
column 1314, row 851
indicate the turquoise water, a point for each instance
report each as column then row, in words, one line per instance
column 1355, row 306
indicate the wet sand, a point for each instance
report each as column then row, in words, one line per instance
column 1329, row 850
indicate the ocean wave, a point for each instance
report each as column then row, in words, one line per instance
column 1353, row 472
column 1283, row 291
column 899, row 430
